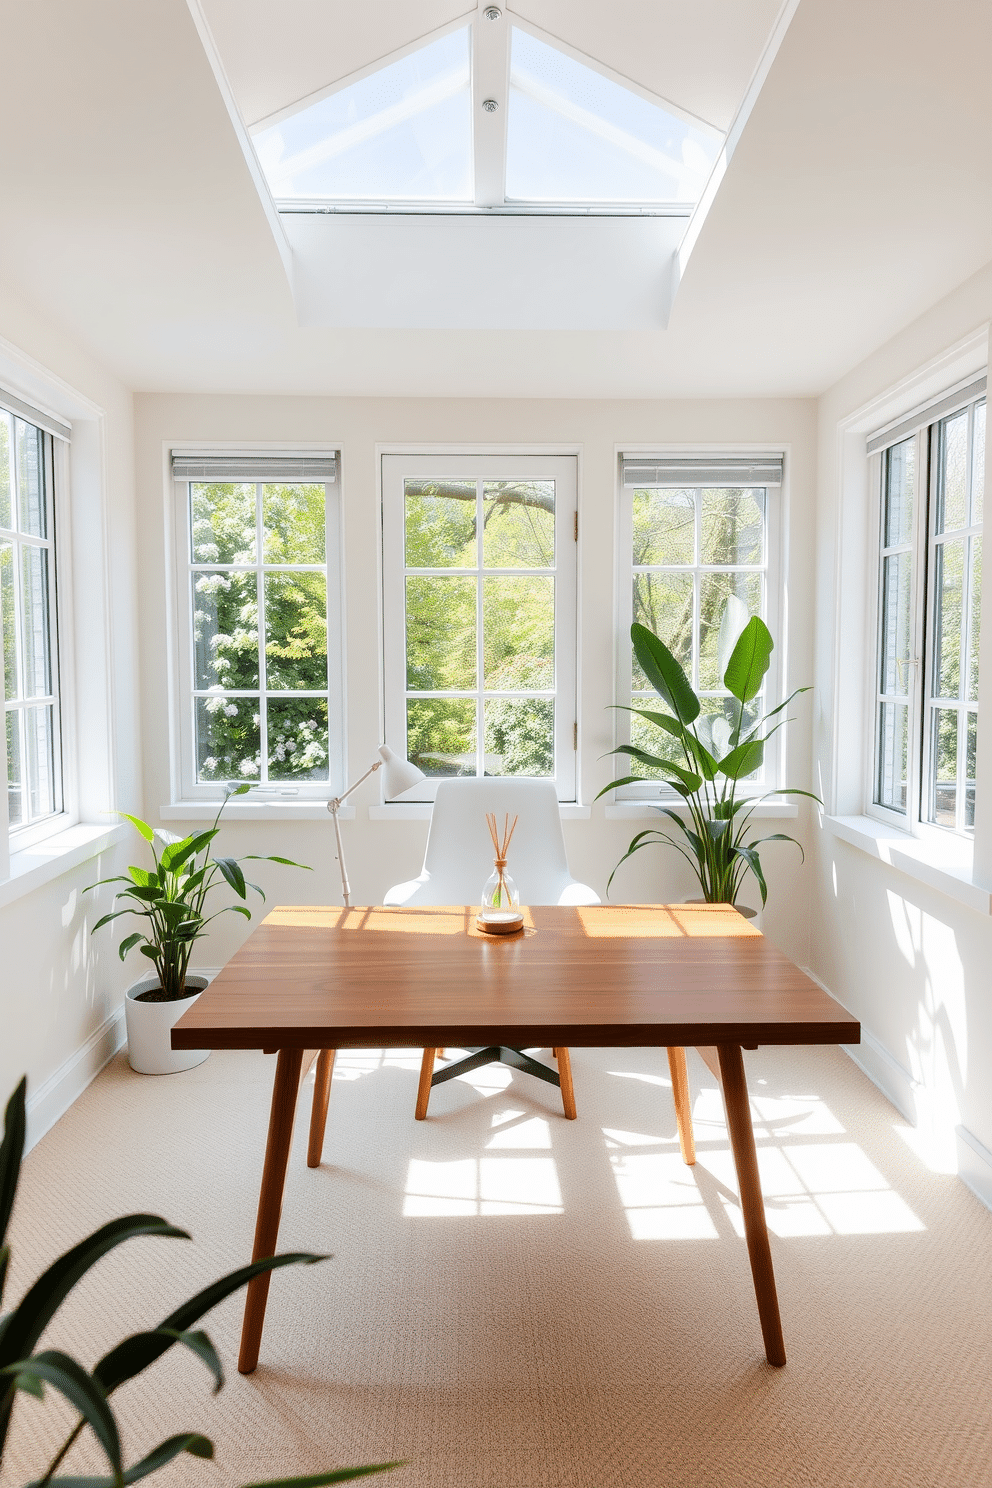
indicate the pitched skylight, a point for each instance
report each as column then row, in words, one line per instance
column 575, row 135
column 403, row 133
column 425, row 129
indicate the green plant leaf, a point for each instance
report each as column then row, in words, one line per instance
column 742, row 760
column 25, row 1325
column 664, row 673
column 141, row 877
column 135, row 1354
column 11, row 1152
column 189, row 1441
column 150, row 951
column 780, row 837
column 115, row 914
column 139, row 825
column 655, row 762
column 271, row 858
column 129, row 943
column 751, row 858
column 236, row 790
column 621, row 780
column 232, row 872
column 84, row 1392
column 339, row 1475
column 749, row 661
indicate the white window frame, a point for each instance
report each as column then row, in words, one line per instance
column 926, row 420
column 776, row 530
column 563, row 469
column 186, row 790
column 18, row 838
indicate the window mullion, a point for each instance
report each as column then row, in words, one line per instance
column 263, row 712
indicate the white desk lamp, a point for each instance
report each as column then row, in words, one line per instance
column 399, row 776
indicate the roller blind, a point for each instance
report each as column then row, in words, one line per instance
column 929, row 414
column 46, row 421
column 702, row 470
column 254, row 465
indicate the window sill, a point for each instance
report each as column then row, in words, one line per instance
column 197, row 811
column 421, row 811
column 946, row 867
column 648, row 810
column 47, row 860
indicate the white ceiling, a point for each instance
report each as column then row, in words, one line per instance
column 861, row 193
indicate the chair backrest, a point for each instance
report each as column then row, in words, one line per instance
column 459, row 855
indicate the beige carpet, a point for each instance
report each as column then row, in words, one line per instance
column 517, row 1300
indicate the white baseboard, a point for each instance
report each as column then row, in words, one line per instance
column 68, row 1082
column 52, row 1099
column 974, row 1165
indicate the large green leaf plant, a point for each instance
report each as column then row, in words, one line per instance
column 25, row 1367
column 172, row 896
column 715, row 823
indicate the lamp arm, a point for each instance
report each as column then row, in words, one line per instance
column 334, row 806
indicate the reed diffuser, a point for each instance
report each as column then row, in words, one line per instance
column 500, row 913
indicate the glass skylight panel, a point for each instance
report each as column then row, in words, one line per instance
column 576, row 136
column 403, row 133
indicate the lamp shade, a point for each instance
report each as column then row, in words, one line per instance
column 398, row 775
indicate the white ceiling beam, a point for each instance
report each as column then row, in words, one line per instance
column 490, row 85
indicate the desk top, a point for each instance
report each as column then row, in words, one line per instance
column 580, row 976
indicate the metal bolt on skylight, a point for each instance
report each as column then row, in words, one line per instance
column 490, row 105
column 493, row 12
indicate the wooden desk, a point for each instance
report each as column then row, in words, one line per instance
column 665, row 976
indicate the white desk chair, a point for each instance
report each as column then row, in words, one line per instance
column 457, row 862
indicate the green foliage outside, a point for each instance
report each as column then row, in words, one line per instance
column 518, row 534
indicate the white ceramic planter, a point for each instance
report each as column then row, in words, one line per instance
column 149, row 1030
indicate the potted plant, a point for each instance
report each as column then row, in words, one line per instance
column 25, row 1367
column 171, row 897
column 717, row 754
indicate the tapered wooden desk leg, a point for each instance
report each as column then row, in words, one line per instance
column 284, row 1094
column 565, row 1079
column 424, row 1088
column 683, row 1105
column 318, row 1111
column 752, row 1204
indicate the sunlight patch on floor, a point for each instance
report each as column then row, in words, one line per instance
column 482, row 1186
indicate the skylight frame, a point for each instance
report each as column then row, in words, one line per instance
column 489, row 51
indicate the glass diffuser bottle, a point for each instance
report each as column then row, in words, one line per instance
column 500, row 910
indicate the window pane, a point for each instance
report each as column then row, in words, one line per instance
column 297, row 731
column 518, row 524
column 952, row 499
column 222, row 522
column 714, row 590
column 663, row 603
column 977, row 466
column 897, row 595
column 6, row 472
column 8, row 611
column 900, row 493
column 891, row 788
column 15, row 788
column 975, row 621
column 33, row 515
column 440, row 523
column 39, row 751
column 970, row 753
column 520, row 736
column 225, row 630
column 944, row 765
column 35, row 638
column 293, row 524
column 664, row 527
column 518, row 633
column 948, row 581
column 733, row 527
column 440, row 635
column 575, row 135
column 227, row 739
column 295, row 631
column 440, row 735
column 404, row 132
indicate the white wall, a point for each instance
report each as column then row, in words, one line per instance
column 911, row 962
column 61, row 993
column 382, row 853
